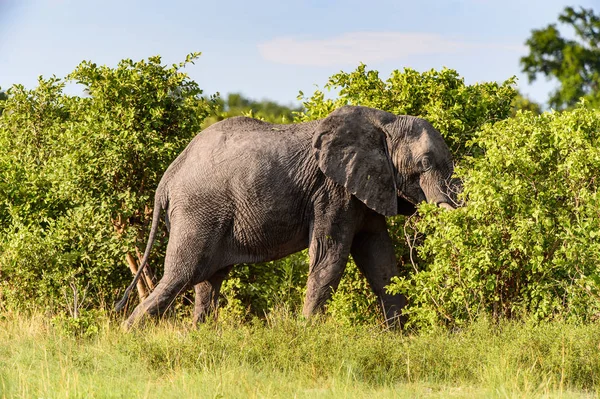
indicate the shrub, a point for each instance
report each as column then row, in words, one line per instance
column 255, row 289
column 457, row 110
column 78, row 174
column 526, row 245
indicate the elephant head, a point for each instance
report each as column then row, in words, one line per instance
column 387, row 161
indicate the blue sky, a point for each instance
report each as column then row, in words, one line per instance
column 273, row 49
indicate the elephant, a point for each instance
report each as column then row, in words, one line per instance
column 248, row 191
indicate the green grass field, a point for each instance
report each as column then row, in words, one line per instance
column 283, row 357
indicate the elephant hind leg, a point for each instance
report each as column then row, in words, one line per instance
column 158, row 301
column 207, row 295
column 183, row 266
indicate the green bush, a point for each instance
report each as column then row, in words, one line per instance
column 457, row 110
column 526, row 245
column 235, row 104
column 78, row 174
column 255, row 289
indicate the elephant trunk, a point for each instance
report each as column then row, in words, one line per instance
column 446, row 205
column 452, row 189
column 441, row 191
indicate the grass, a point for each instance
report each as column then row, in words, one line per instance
column 283, row 357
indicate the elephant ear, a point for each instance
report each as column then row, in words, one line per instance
column 350, row 148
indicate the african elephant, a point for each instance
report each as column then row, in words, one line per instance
column 247, row 191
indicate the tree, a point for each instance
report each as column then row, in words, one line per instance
column 78, row 174
column 523, row 103
column 575, row 63
column 237, row 105
column 3, row 97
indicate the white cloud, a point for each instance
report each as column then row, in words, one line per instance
column 369, row 47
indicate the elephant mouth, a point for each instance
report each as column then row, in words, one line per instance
column 413, row 201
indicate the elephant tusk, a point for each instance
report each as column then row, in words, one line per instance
column 446, row 205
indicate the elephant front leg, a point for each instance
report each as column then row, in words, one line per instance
column 374, row 255
column 328, row 258
column 207, row 295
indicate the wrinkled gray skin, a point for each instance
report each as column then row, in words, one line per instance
column 247, row 191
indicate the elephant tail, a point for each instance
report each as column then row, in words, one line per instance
column 160, row 201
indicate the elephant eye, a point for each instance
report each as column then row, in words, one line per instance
column 425, row 164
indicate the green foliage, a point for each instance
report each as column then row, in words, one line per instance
column 78, row 174
column 522, row 103
column 3, row 97
column 354, row 303
column 575, row 63
column 457, row 110
column 237, row 105
column 85, row 325
column 256, row 289
column 526, row 245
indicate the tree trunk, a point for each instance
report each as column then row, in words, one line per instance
column 148, row 274
column 141, row 286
